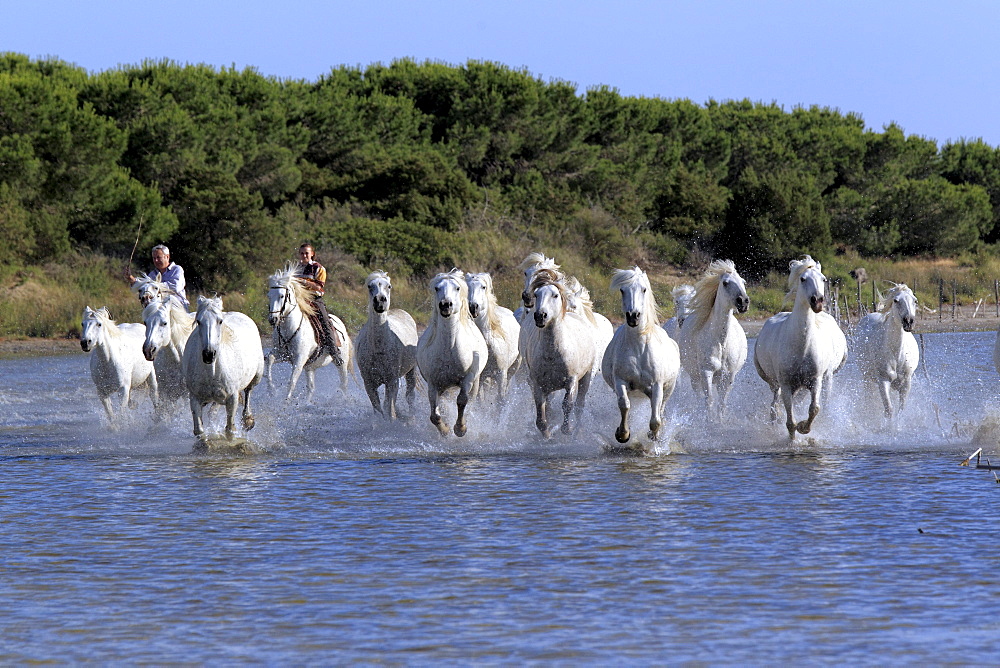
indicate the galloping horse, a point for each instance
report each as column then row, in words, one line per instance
column 148, row 289
column 386, row 347
column 451, row 352
column 713, row 345
column 293, row 339
column 116, row 361
column 641, row 358
column 223, row 361
column 168, row 326
column 559, row 350
column 500, row 329
column 801, row 349
column 682, row 295
column 579, row 302
column 887, row 352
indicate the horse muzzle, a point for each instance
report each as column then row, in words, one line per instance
column 149, row 352
column 541, row 319
column 85, row 344
column 816, row 303
column 632, row 318
column 528, row 300
column 273, row 320
column 742, row 304
column 445, row 309
column 474, row 310
column 379, row 304
column 907, row 324
column 207, row 356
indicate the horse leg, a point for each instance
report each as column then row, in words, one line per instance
column 541, row 401
column 248, row 421
column 296, row 372
column 231, row 403
column 622, row 434
column 775, row 396
column 572, row 390
column 582, row 387
column 463, row 400
column 199, row 428
column 268, row 362
column 108, row 407
column 657, row 399
column 391, row 396
column 723, row 387
column 904, row 392
column 814, row 400
column 436, row 419
column 310, row 384
column 371, row 389
column 411, row 388
column 705, row 381
column 787, row 395
column 883, row 390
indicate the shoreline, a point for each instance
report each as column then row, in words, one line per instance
column 16, row 347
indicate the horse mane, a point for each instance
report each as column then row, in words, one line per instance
column 463, row 314
column 290, row 277
column 375, row 275
column 552, row 277
column 795, row 270
column 179, row 316
column 539, row 260
column 702, row 302
column 627, row 278
column 885, row 301
column 103, row 316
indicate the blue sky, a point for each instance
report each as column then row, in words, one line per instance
column 931, row 67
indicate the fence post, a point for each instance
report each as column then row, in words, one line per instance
column 940, row 299
column 996, row 295
column 954, row 298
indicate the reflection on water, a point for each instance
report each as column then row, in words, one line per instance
column 347, row 539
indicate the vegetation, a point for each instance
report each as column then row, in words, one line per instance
column 418, row 167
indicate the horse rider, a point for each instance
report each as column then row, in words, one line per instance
column 313, row 275
column 169, row 273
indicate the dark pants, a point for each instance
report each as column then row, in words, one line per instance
column 327, row 333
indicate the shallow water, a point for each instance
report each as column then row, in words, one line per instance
column 347, row 540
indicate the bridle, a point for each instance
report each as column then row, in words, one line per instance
column 280, row 315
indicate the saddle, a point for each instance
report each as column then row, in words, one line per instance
column 315, row 320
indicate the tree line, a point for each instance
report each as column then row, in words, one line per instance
column 420, row 166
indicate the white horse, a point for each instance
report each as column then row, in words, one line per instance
column 682, row 295
column 801, row 349
column 641, row 358
column 559, row 350
column 500, row 329
column 451, row 352
column 713, row 345
column 293, row 337
column 116, row 361
column 223, row 361
column 168, row 326
column 529, row 265
column 386, row 347
column 887, row 352
column 579, row 302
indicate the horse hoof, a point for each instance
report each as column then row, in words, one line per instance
column 442, row 428
column 622, row 435
column 248, row 422
column 803, row 427
column 460, row 430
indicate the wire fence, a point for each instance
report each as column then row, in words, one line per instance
column 848, row 309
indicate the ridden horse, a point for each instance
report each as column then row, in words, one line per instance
column 451, row 352
column 500, row 329
column 713, row 345
column 559, row 350
column 681, row 295
column 886, row 350
column 116, row 361
column 803, row 348
column 386, row 347
column 293, row 337
column 641, row 358
column 168, row 326
column 148, row 289
column 223, row 361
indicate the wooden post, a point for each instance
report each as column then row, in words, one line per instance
column 874, row 298
column 996, row 295
column 954, row 298
column 940, row 299
column 860, row 314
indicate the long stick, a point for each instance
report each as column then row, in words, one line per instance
column 128, row 268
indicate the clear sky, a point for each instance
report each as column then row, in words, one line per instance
column 931, row 67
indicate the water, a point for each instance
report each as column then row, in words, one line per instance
column 345, row 540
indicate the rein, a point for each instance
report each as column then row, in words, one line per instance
column 279, row 315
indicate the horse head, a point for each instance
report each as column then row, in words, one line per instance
column 807, row 283
column 379, row 291
column 480, row 288
column 529, row 265
column 549, row 297
column 735, row 289
column 904, row 305
column 638, row 304
column 209, row 323
column 450, row 293
column 156, row 317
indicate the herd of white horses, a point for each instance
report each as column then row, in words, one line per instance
column 475, row 346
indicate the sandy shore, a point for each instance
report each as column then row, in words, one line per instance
column 929, row 324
